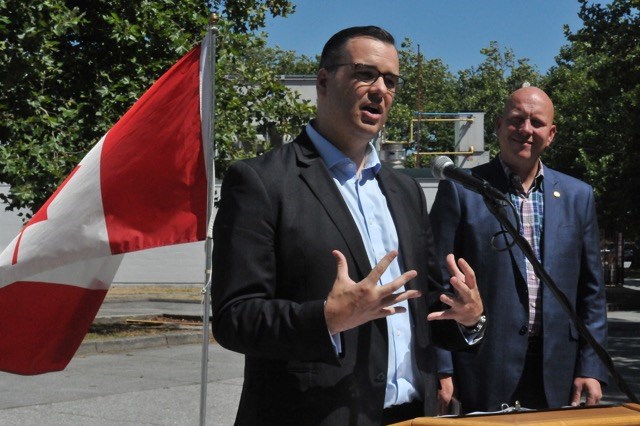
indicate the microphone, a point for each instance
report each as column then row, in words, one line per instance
column 443, row 168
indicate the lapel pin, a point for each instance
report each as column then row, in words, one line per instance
column 556, row 194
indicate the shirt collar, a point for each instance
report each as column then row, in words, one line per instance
column 515, row 180
column 337, row 162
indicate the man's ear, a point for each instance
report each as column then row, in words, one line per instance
column 552, row 134
column 321, row 80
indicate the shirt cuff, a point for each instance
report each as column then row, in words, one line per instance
column 474, row 334
column 336, row 340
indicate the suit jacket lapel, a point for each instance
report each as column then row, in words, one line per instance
column 494, row 173
column 552, row 215
column 315, row 174
column 396, row 204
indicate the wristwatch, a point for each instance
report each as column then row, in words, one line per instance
column 478, row 327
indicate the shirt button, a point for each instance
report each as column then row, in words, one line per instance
column 523, row 330
column 380, row 377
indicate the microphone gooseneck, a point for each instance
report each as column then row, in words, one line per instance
column 443, row 168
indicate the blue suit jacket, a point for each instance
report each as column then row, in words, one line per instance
column 463, row 225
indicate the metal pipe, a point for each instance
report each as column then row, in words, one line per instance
column 206, row 290
column 421, row 154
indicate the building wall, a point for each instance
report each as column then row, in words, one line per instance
column 10, row 223
column 304, row 85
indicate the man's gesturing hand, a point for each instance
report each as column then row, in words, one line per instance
column 466, row 304
column 351, row 304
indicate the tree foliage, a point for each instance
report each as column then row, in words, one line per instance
column 251, row 101
column 596, row 89
column 288, row 62
column 72, row 68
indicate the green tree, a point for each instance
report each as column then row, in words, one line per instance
column 251, row 101
column 596, row 89
column 72, row 68
column 288, row 62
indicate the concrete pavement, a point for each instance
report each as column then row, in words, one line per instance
column 142, row 385
column 140, row 381
column 159, row 386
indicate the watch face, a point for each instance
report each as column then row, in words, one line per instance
column 480, row 325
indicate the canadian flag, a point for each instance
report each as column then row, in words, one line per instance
column 143, row 185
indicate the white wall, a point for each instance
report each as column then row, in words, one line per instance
column 179, row 264
column 10, row 223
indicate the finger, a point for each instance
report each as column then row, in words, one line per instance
column 341, row 263
column 453, row 267
column 377, row 271
column 389, row 289
column 447, row 299
column 469, row 274
column 440, row 315
column 390, row 310
column 575, row 396
column 395, row 298
column 591, row 400
column 461, row 288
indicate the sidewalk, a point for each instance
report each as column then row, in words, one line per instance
column 156, row 380
column 113, row 311
column 623, row 315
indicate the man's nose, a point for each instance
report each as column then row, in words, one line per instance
column 379, row 86
column 526, row 127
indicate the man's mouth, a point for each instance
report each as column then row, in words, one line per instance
column 373, row 109
column 372, row 114
column 522, row 141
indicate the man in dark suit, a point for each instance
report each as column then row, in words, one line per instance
column 533, row 353
column 351, row 347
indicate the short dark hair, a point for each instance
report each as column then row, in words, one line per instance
column 333, row 48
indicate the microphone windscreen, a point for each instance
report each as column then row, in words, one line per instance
column 439, row 164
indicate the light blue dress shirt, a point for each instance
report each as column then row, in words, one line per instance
column 369, row 209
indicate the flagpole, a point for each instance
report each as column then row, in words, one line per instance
column 206, row 290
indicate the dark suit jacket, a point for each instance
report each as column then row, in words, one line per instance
column 279, row 218
column 570, row 254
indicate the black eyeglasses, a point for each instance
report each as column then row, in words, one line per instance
column 369, row 74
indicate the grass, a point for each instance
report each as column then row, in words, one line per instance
column 123, row 329
column 141, row 327
column 148, row 326
column 152, row 291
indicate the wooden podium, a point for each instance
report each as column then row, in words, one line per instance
column 617, row 415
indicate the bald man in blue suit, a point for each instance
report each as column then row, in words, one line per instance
column 533, row 353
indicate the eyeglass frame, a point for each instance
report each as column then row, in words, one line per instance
column 398, row 85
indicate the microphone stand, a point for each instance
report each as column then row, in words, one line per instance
column 496, row 206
